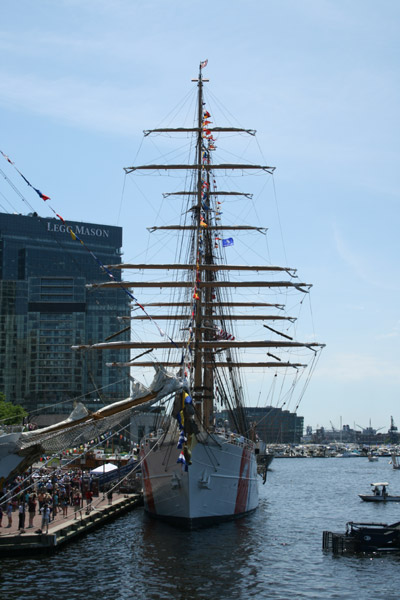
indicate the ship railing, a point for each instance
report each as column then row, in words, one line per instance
column 151, row 438
column 232, row 438
column 240, row 440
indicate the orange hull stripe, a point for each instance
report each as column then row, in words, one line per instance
column 148, row 492
column 243, row 485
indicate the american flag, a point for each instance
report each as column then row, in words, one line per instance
column 203, row 64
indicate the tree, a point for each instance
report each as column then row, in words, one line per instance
column 11, row 414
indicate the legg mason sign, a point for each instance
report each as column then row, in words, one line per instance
column 92, row 231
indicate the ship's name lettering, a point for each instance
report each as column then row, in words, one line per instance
column 78, row 229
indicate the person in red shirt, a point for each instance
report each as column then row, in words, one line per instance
column 89, row 496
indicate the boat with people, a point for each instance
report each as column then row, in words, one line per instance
column 215, row 320
column 379, row 494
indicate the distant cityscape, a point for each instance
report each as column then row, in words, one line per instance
column 347, row 435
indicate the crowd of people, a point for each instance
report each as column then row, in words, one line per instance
column 45, row 494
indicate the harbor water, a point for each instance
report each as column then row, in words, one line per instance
column 275, row 553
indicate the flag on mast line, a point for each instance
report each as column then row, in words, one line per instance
column 204, row 64
column 227, row 242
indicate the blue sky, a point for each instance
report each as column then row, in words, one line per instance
column 318, row 79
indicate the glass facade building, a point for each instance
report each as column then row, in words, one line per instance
column 45, row 308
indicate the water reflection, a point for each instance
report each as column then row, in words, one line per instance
column 204, row 563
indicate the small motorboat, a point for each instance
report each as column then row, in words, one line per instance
column 372, row 458
column 379, row 494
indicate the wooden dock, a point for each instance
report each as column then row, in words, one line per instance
column 63, row 530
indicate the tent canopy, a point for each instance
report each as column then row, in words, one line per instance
column 106, row 468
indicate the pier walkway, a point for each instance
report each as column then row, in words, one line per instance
column 62, row 529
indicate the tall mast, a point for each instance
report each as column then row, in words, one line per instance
column 206, row 288
column 198, row 366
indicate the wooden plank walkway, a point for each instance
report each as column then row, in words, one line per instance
column 63, row 529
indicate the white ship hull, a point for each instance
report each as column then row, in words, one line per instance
column 220, row 484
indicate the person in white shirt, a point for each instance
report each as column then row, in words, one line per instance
column 45, row 510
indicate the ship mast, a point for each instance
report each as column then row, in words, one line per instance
column 207, row 285
column 202, row 384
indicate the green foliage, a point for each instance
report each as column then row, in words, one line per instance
column 11, row 414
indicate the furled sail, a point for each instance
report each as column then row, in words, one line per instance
column 19, row 450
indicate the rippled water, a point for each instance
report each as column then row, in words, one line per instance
column 275, row 553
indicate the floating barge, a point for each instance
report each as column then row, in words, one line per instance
column 363, row 537
column 61, row 532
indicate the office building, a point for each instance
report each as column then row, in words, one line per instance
column 272, row 425
column 45, row 308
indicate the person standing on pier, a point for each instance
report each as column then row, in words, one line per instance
column 41, row 499
column 45, row 510
column 55, row 503
column 31, row 509
column 9, row 513
column 64, row 504
column 21, row 514
column 89, row 496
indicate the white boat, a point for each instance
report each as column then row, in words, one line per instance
column 372, row 458
column 348, row 454
column 379, row 494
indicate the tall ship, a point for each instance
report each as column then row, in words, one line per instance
column 198, row 468
column 215, row 329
